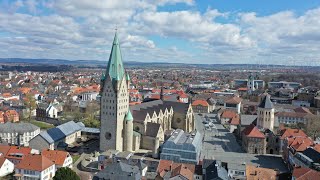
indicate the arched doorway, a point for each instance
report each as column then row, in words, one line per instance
column 271, row 151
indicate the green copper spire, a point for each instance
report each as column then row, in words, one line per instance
column 129, row 116
column 115, row 66
column 127, row 77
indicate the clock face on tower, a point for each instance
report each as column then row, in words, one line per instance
column 108, row 135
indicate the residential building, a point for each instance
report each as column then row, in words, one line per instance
column 288, row 132
column 119, row 170
column 54, row 110
column 309, row 158
column 301, row 173
column 2, row 117
column 283, row 84
column 227, row 116
column 58, row 137
column 256, row 173
column 35, row 166
column 236, row 163
column 233, row 103
column 171, row 170
column 6, row 166
column 200, row 106
column 18, row 133
column 15, row 153
column 253, row 141
column 182, row 147
column 299, row 115
column 45, row 110
column 59, row 158
column 292, row 146
column 212, row 171
column 11, row 115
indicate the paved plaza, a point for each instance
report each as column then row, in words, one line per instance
column 217, row 139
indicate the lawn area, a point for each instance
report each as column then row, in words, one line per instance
column 75, row 158
column 42, row 125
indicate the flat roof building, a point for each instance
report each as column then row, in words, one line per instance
column 182, row 147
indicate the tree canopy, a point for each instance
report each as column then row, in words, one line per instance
column 66, row 173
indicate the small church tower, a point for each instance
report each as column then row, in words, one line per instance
column 250, row 84
column 128, row 132
column 114, row 103
column 266, row 113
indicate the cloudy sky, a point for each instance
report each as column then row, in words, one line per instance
column 187, row 31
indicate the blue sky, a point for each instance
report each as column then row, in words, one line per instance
column 207, row 31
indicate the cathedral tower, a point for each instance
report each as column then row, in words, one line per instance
column 266, row 113
column 114, row 104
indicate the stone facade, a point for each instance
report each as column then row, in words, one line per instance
column 125, row 128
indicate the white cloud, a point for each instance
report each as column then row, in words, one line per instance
column 285, row 33
column 82, row 29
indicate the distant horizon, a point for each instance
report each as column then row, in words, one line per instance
column 282, row 32
column 3, row 60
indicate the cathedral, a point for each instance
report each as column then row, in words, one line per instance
column 140, row 126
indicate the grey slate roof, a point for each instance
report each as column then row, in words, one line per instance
column 212, row 171
column 266, row 103
column 140, row 111
column 119, row 171
column 61, row 131
column 152, row 129
column 235, row 160
column 43, row 105
column 246, row 120
column 21, row 127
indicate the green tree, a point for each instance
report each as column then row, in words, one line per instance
column 30, row 103
column 66, row 173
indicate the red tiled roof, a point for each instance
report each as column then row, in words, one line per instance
column 11, row 112
column 4, row 149
column 257, row 173
column 2, row 159
column 182, row 170
column 35, row 162
column 300, row 143
column 253, row 131
column 167, row 165
column 228, row 114
column 292, row 133
column 291, row 114
column 56, row 156
column 17, row 150
column 234, row 100
column 200, row 102
column 235, row 120
column 302, row 110
column 301, row 173
column 183, row 96
column 164, row 165
column 242, row 89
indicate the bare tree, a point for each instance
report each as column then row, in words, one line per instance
column 313, row 127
